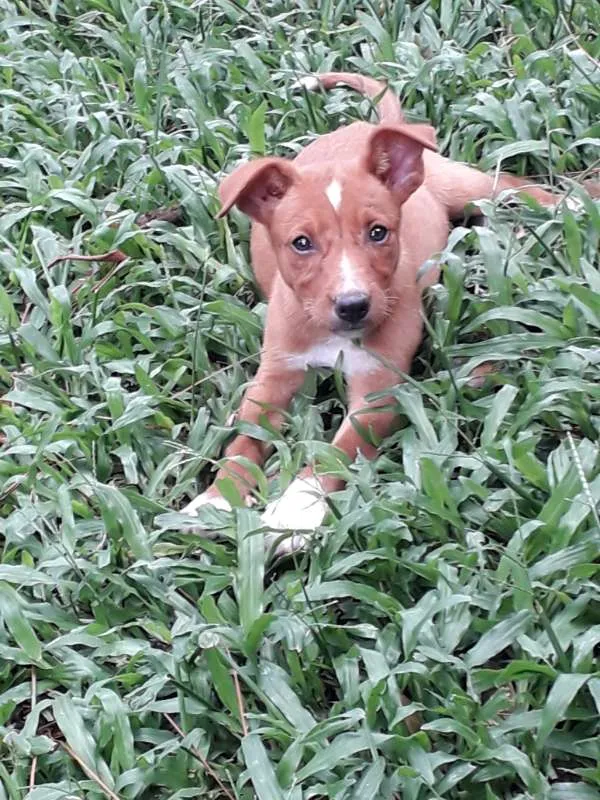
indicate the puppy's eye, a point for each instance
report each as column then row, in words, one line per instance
column 302, row 244
column 378, row 233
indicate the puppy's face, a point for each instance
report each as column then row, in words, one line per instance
column 335, row 233
column 336, row 242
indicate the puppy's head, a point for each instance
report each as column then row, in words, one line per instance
column 335, row 231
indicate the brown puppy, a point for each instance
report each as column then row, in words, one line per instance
column 338, row 237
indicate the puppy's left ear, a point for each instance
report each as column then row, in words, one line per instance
column 395, row 156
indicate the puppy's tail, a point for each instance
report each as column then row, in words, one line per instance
column 458, row 185
column 504, row 182
column 389, row 109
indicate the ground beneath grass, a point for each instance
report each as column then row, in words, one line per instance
column 140, row 660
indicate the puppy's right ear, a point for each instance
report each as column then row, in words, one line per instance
column 395, row 156
column 256, row 187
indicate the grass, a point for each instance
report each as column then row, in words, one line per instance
column 140, row 660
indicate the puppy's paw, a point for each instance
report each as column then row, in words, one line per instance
column 302, row 507
column 310, row 83
column 574, row 204
column 207, row 498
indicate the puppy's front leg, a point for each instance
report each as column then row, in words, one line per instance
column 373, row 418
column 269, row 394
column 303, row 506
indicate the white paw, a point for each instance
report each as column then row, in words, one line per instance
column 574, row 204
column 205, row 499
column 310, row 83
column 302, row 507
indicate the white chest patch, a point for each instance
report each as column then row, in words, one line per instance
column 334, row 194
column 355, row 360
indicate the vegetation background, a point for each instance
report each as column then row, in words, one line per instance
column 140, row 660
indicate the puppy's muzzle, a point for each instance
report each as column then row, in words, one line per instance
column 352, row 307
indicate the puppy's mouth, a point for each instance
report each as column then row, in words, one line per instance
column 350, row 330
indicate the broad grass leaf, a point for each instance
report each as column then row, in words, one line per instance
column 39, row 343
column 513, row 149
column 76, row 198
column 220, row 672
column 425, row 763
column 128, row 458
column 503, row 634
column 28, row 281
column 121, row 519
column 255, row 64
column 411, row 403
column 33, row 398
column 274, row 683
column 255, row 635
column 370, row 782
column 524, row 316
column 573, row 791
column 140, row 86
column 594, row 687
column 349, row 563
column 256, row 129
column 520, row 762
column 115, row 718
column 78, row 737
column 435, row 486
column 497, row 413
column 260, row 769
column 380, row 35
column 331, row 590
column 8, row 783
column 251, row 567
column 512, row 344
column 519, row 669
column 452, row 726
column 572, row 240
column 587, row 297
column 454, row 776
column 8, row 314
column 561, row 695
column 335, row 724
column 564, row 560
column 50, row 792
column 560, row 500
column 244, row 321
column 24, row 576
column 341, row 748
column 137, row 409
column 494, row 257
column 14, row 616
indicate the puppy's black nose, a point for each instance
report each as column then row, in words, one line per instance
column 352, row 307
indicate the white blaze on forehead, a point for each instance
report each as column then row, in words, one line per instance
column 334, row 194
column 351, row 281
